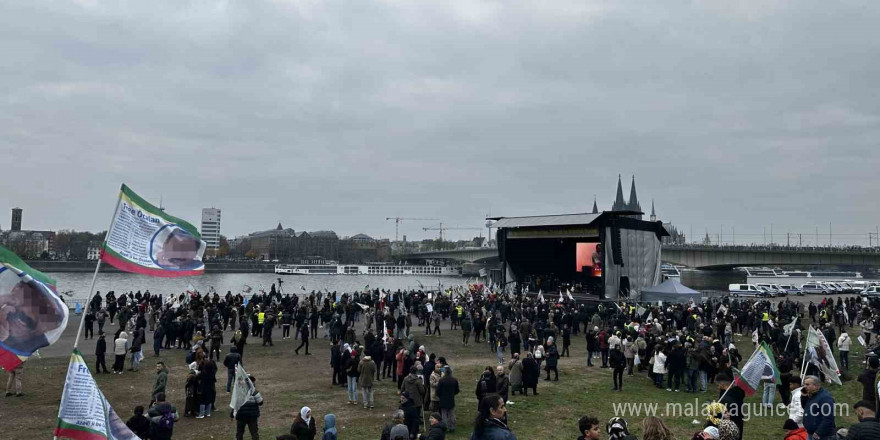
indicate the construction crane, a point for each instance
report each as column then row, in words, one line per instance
column 442, row 228
column 397, row 221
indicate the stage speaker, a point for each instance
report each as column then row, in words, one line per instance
column 616, row 246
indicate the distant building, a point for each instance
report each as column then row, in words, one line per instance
column 29, row 244
column 16, row 219
column 211, row 228
column 94, row 252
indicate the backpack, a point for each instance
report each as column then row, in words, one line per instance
column 166, row 421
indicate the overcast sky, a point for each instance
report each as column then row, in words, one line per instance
column 337, row 114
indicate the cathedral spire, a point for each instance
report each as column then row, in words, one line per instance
column 633, row 203
column 619, row 203
column 653, row 212
column 595, row 207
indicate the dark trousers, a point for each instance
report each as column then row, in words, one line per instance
column 565, row 351
column 285, row 330
column 119, row 362
column 465, row 336
column 252, row 427
column 618, row 378
column 676, row 378
column 230, row 376
column 337, row 376
column 554, row 370
column 314, row 329
column 215, row 349
column 90, row 331
column 604, row 357
column 305, row 342
column 387, row 370
column 100, row 364
column 378, row 368
column 844, row 359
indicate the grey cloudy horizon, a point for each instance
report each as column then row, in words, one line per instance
column 336, row 115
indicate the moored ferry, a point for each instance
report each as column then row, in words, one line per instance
column 364, row 269
column 767, row 275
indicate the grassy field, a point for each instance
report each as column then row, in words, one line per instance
column 289, row 382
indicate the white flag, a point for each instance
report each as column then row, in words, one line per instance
column 789, row 327
column 241, row 390
column 84, row 412
column 541, row 296
column 569, row 295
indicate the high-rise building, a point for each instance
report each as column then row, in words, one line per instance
column 16, row 219
column 211, row 228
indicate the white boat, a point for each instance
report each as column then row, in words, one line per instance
column 756, row 275
column 364, row 269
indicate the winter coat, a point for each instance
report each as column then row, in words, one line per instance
column 866, row 429
column 516, row 373
column 552, row 356
column 415, row 386
column 366, row 372
column 329, row 427
column 302, row 430
column 502, row 385
column 447, row 388
column 815, row 420
column 161, row 381
column 486, row 385
column 436, row 432
column 659, row 363
column 120, row 346
column 251, row 408
column 531, row 373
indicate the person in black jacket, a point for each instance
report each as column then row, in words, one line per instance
column 447, row 388
column 437, row 431
column 411, row 416
column 230, row 361
column 100, row 351
column 486, row 385
column 868, row 427
column 163, row 415
column 336, row 363
column 304, row 340
column 531, row 373
column 303, row 427
column 138, row 424
column 618, row 364
column 249, row 414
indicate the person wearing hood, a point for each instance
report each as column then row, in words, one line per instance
column 120, row 348
column 329, row 427
column 366, row 371
column 415, row 386
column 191, row 390
column 437, row 431
column 303, row 427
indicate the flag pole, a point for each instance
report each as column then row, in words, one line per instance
column 734, row 379
column 789, row 335
column 804, row 356
column 82, row 320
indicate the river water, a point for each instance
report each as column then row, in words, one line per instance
column 235, row 282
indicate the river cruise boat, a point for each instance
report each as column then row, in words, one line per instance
column 358, row 269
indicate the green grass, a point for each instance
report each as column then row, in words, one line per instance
column 289, row 382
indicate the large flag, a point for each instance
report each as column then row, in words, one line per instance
column 144, row 239
column 759, row 366
column 85, row 414
column 818, row 353
column 790, row 326
column 32, row 316
column 541, row 296
column 242, row 388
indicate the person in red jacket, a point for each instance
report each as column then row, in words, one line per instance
column 793, row 432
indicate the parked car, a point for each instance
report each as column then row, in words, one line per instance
column 747, row 290
column 791, row 289
column 873, row 291
column 814, row 289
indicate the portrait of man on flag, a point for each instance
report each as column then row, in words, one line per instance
column 32, row 316
column 174, row 248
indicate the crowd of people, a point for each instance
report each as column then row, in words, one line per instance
column 372, row 337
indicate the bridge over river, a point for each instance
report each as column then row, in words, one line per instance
column 707, row 256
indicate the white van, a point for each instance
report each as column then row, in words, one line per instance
column 746, row 290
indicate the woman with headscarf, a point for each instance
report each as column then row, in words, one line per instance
column 238, row 340
column 303, row 427
column 617, row 429
column 191, row 388
column 716, row 417
column 552, row 358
